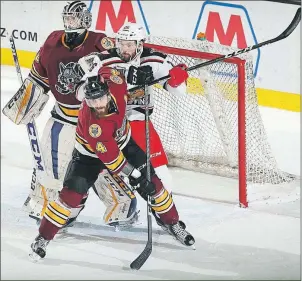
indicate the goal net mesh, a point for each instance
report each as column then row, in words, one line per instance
column 199, row 131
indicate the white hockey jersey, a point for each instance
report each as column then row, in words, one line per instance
column 160, row 66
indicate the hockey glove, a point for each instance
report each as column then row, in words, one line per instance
column 140, row 75
column 138, row 181
column 178, row 75
column 143, row 186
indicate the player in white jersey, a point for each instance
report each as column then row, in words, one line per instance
column 131, row 58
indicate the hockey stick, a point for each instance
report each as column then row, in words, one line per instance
column 141, row 259
column 31, row 126
column 282, row 36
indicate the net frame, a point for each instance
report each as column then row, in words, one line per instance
column 240, row 64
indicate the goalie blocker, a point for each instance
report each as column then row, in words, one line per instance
column 27, row 103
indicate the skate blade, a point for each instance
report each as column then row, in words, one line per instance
column 190, row 247
column 34, row 257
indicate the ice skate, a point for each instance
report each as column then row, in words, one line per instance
column 183, row 236
column 38, row 248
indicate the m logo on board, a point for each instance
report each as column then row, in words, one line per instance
column 227, row 24
column 111, row 15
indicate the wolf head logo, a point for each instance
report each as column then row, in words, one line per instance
column 68, row 77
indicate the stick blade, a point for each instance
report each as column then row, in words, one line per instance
column 141, row 259
column 293, row 24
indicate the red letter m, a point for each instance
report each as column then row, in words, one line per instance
column 226, row 38
column 106, row 8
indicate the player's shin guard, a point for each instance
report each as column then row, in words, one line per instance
column 163, row 204
column 75, row 212
column 58, row 212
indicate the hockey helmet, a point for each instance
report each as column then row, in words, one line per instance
column 131, row 32
column 76, row 19
column 95, row 90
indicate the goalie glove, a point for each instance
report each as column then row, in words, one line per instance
column 27, row 103
column 178, row 75
column 140, row 75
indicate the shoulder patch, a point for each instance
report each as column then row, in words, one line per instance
column 95, row 130
column 115, row 72
column 116, row 79
column 37, row 58
column 107, row 43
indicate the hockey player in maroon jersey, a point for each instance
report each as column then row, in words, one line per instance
column 131, row 58
column 103, row 141
column 55, row 70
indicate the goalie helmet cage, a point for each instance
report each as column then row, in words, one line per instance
column 216, row 127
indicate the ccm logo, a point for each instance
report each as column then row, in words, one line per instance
column 16, row 98
column 134, row 76
column 34, row 145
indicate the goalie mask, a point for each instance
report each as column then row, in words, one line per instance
column 77, row 19
column 129, row 41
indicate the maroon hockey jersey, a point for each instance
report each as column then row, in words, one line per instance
column 55, row 68
column 105, row 137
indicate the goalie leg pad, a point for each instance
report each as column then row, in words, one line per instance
column 36, row 202
column 27, row 103
column 57, row 145
column 119, row 199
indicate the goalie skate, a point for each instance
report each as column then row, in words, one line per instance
column 125, row 225
column 38, row 248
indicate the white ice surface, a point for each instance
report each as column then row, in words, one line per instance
column 261, row 242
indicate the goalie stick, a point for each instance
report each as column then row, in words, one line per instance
column 31, row 126
column 282, row 36
column 141, row 259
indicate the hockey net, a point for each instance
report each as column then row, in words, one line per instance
column 216, row 127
